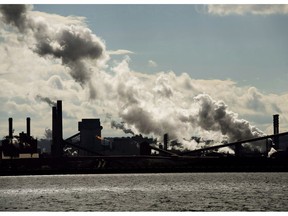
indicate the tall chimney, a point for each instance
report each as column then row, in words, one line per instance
column 276, row 130
column 59, row 120
column 57, row 130
column 276, row 123
column 10, row 127
column 28, row 126
column 54, row 132
column 54, row 124
column 165, row 141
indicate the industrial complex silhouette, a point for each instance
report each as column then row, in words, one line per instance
column 88, row 152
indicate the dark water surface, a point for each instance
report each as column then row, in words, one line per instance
column 146, row 192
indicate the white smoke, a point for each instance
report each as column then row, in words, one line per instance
column 73, row 44
column 215, row 116
column 121, row 126
column 158, row 107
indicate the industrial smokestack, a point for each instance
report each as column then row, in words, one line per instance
column 57, row 130
column 165, row 141
column 276, row 130
column 59, row 120
column 10, row 127
column 276, row 123
column 54, row 123
column 28, row 131
column 54, row 131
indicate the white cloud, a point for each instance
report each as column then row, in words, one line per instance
column 119, row 52
column 55, row 19
column 152, row 63
column 243, row 9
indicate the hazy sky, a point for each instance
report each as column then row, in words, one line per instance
column 154, row 62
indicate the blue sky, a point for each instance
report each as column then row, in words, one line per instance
column 248, row 49
column 152, row 68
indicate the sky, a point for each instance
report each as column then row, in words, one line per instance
column 247, row 48
column 160, row 65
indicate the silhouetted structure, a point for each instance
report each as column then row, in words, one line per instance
column 23, row 145
column 165, row 142
column 10, row 120
column 276, row 130
column 88, row 152
column 90, row 135
column 57, row 130
column 145, row 148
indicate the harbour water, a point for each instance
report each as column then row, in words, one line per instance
column 146, row 192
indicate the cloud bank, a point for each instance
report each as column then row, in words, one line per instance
column 259, row 9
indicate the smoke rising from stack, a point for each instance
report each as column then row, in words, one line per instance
column 121, row 126
column 150, row 104
column 47, row 100
column 214, row 116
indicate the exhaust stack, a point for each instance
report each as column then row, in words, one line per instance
column 165, row 142
column 276, row 123
column 57, row 130
column 276, row 130
column 59, row 120
column 10, row 127
column 28, row 130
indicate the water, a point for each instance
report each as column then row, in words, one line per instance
column 146, row 192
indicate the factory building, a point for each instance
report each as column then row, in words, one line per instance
column 281, row 142
column 136, row 145
column 123, row 146
column 90, row 135
column 19, row 146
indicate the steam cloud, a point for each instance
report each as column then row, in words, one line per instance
column 47, row 100
column 211, row 115
column 72, row 44
column 216, row 117
column 121, row 126
column 150, row 104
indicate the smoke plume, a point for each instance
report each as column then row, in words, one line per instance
column 47, row 100
column 215, row 116
column 122, row 127
column 73, row 45
column 70, row 43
